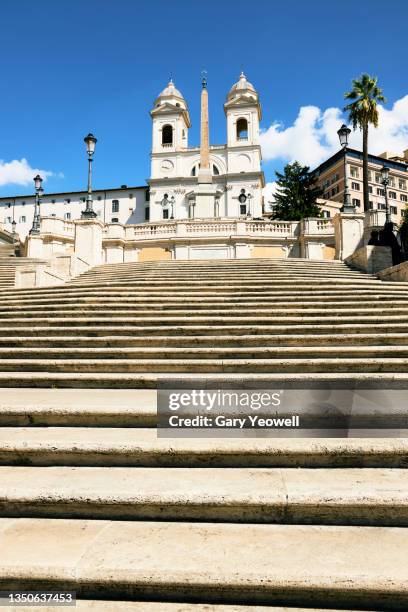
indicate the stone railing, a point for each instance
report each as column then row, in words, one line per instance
column 57, row 226
column 203, row 228
column 313, row 226
column 374, row 218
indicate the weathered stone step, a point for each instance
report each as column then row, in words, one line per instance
column 214, row 380
column 97, row 605
column 196, row 301
column 169, row 321
column 127, row 447
column 78, row 407
column 247, row 275
column 158, row 330
column 369, row 496
column 204, row 366
column 229, row 354
column 264, row 314
column 311, row 340
column 253, row 564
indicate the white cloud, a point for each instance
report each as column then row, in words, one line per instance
column 313, row 136
column 19, row 172
column 268, row 193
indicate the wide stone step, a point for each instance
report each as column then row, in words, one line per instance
column 127, row 447
column 181, row 331
column 214, row 352
column 270, row 564
column 369, row 496
column 97, row 605
column 203, row 366
column 227, row 312
column 190, row 380
column 81, row 340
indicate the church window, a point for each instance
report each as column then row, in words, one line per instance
column 193, row 171
column 147, row 213
column 242, row 209
column 242, row 129
column 115, row 206
column 114, row 220
column 167, row 135
column 165, row 213
column 147, row 195
column 215, row 170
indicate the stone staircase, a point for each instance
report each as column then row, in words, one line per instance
column 8, row 265
column 92, row 500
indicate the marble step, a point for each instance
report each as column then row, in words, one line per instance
column 197, row 365
column 127, row 447
column 313, row 565
column 356, row 496
column 256, row 354
column 214, row 380
column 82, row 340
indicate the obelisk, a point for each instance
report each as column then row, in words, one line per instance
column 205, row 192
column 204, row 173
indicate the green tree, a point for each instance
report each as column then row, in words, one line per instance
column 363, row 111
column 296, row 194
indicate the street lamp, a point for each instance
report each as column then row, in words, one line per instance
column 35, row 228
column 172, row 201
column 249, row 196
column 89, row 212
column 343, row 134
column 385, row 179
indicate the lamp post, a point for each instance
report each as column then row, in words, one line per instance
column 35, row 228
column 249, row 196
column 172, row 202
column 385, row 179
column 89, row 212
column 343, row 134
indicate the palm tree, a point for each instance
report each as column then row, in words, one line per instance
column 363, row 111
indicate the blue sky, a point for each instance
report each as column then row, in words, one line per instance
column 69, row 67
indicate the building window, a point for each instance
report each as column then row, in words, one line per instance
column 242, row 209
column 334, row 178
column 165, row 213
column 147, row 213
column 167, row 135
column 193, row 171
column 377, row 177
column 381, row 206
column 67, row 201
column 393, row 210
column 215, row 170
column 370, row 175
column 67, row 216
column 354, row 171
column 370, row 189
column 380, row 192
column 402, row 184
column 370, row 205
column 393, row 195
column 391, row 181
column 242, row 129
column 356, row 202
column 403, row 197
column 326, row 214
column 22, row 219
column 99, row 198
column 115, row 206
column 114, row 220
column 147, row 195
column 355, row 186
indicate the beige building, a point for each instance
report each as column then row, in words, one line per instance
column 331, row 179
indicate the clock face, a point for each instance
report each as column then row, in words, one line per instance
column 167, row 165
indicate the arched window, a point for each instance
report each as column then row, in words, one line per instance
column 215, row 170
column 242, row 129
column 193, row 171
column 167, row 135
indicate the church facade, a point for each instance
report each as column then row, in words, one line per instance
column 209, row 181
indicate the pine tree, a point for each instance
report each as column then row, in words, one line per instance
column 296, row 194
